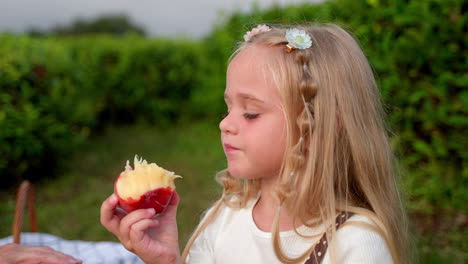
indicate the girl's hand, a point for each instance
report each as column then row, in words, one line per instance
column 153, row 239
column 16, row 254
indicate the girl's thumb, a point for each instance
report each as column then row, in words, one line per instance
column 173, row 204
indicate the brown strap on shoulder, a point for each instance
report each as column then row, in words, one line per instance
column 321, row 247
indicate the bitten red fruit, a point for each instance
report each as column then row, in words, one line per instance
column 144, row 186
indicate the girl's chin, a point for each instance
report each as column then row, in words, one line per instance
column 239, row 174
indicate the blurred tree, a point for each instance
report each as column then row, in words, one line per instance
column 115, row 24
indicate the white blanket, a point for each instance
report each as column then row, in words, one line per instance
column 104, row 252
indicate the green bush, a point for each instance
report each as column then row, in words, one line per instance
column 55, row 91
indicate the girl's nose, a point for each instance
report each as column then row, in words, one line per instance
column 227, row 125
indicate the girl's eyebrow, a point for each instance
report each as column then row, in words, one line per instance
column 245, row 96
column 250, row 97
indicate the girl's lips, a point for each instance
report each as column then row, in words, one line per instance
column 229, row 148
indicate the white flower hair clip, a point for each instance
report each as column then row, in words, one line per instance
column 255, row 31
column 297, row 39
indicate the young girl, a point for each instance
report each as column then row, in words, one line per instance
column 310, row 175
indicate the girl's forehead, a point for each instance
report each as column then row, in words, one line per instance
column 254, row 56
column 250, row 73
column 253, row 64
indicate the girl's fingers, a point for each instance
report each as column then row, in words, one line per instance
column 110, row 215
column 131, row 219
column 107, row 208
column 171, row 209
column 137, row 230
column 175, row 199
column 120, row 213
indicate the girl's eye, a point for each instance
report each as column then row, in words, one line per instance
column 250, row 116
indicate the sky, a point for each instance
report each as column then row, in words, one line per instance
column 192, row 18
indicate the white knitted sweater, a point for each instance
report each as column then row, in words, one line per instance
column 233, row 237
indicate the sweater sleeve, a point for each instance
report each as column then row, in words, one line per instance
column 358, row 244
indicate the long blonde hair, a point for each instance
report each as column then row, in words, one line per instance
column 338, row 156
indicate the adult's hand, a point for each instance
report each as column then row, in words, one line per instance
column 22, row 254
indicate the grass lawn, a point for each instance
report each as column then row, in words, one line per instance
column 68, row 206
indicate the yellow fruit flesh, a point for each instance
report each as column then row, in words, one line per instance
column 133, row 183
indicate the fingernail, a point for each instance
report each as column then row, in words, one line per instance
column 151, row 210
column 113, row 199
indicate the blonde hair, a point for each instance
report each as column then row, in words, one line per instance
column 338, row 156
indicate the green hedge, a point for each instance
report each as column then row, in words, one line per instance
column 56, row 91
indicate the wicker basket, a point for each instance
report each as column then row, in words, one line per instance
column 25, row 197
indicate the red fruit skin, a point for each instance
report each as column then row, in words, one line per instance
column 157, row 199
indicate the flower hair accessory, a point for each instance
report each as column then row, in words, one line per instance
column 255, row 31
column 297, row 39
